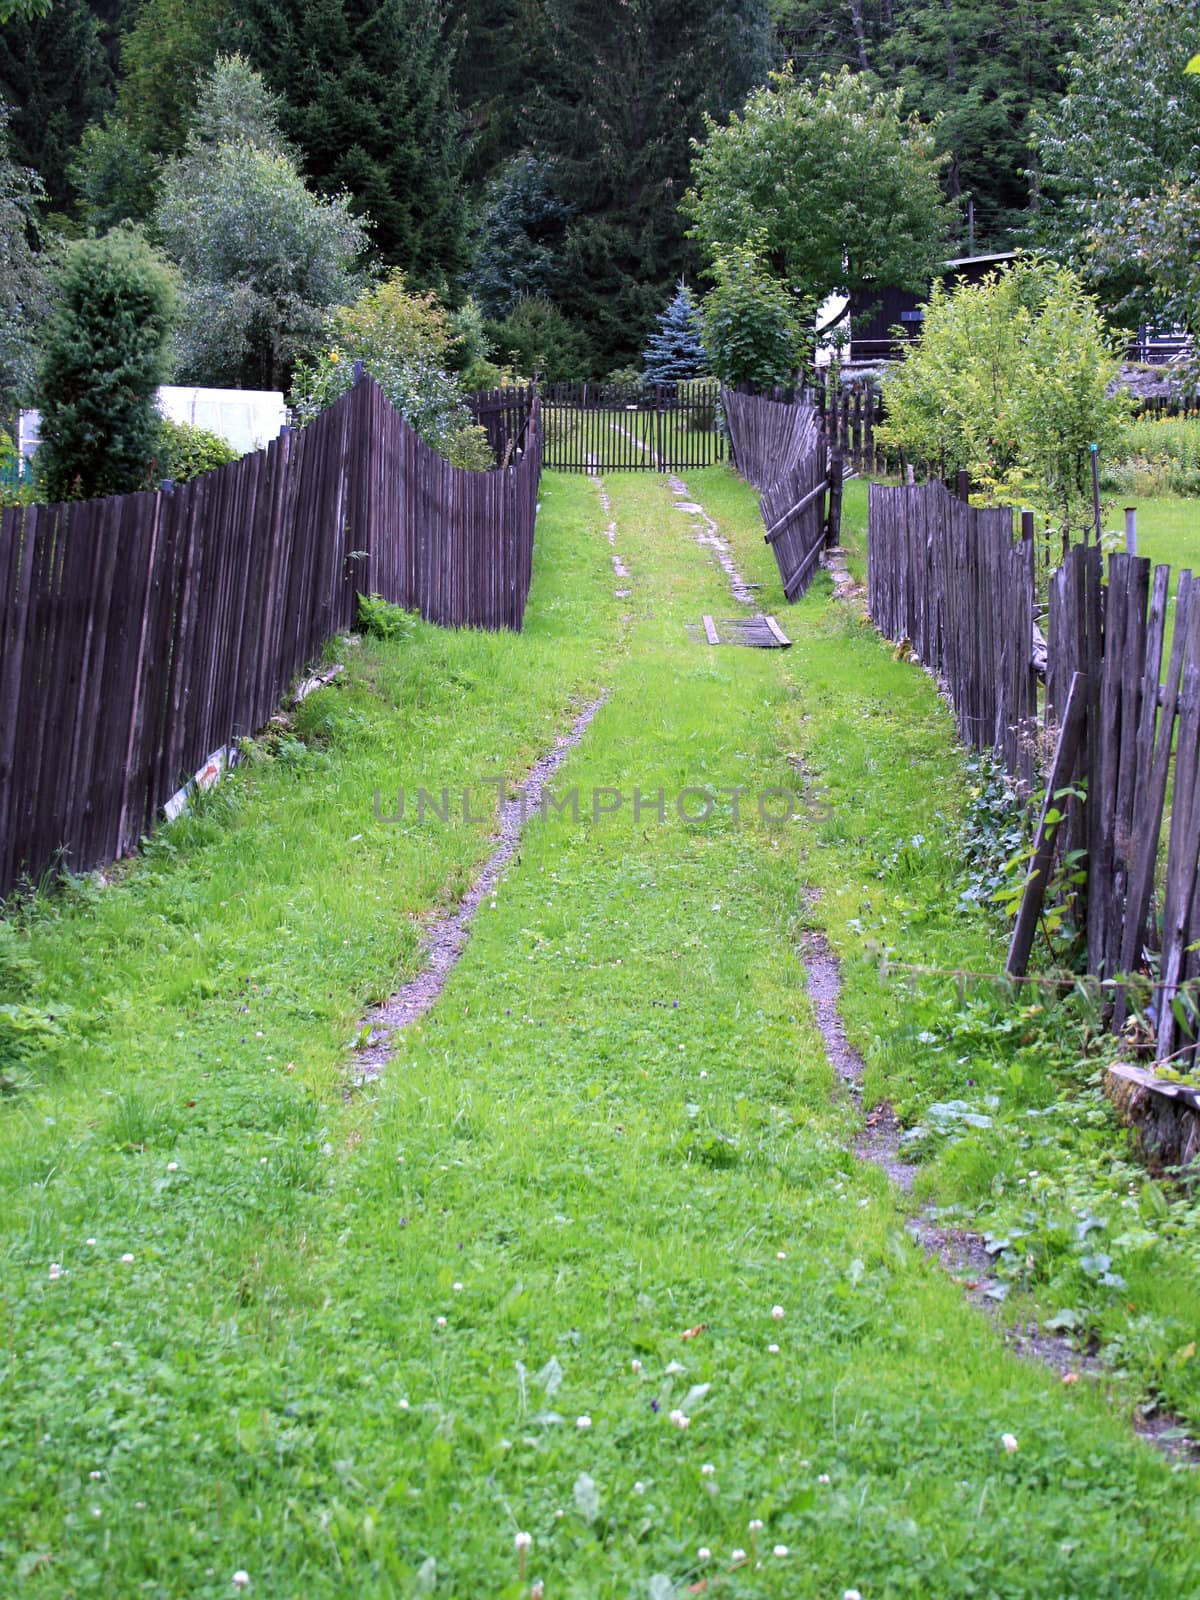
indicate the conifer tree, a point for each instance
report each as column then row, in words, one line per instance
column 366, row 96
column 676, row 352
column 620, row 94
column 106, row 350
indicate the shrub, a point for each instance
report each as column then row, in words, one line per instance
column 405, row 341
column 186, row 451
column 106, row 351
column 536, row 337
column 1010, row 382
column 749, row 323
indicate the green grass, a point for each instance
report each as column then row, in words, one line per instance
column 616, row 1126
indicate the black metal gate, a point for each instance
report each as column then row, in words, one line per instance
column 650, row 427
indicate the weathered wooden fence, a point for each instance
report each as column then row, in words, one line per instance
column 1125, row 772
column 142, row 633
column 849, row 411
column 948, row 579
column 504, row 415
column 780, row 449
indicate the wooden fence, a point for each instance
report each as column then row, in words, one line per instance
column 1125, row 734
column 140, row 634
column 948, row 579
column 780, row 449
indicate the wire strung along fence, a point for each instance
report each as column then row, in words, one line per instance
column 946, row 579
column 779, row 448
column 641, row 427
column 143, row 633
column 1121, row 716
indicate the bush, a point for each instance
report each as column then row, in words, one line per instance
column 1158, row 455
column 106, row 350
column 1010, row 382
column 405, row 341
column 749, row 322
column 186, row 451
column 536, row 337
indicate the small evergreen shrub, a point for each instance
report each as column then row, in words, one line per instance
column 676, row 352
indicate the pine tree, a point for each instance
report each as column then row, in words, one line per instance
column 676, row 352
column 366, row 92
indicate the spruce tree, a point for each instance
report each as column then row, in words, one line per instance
column 55, row 75
column 366, row 96
column 620, row 94
column 105, row 352
column 676, row 352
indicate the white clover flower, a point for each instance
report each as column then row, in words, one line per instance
column 639, row 1487
column 708, row 1469
column 737, row 1555
column 537, row 1591
column 127, row 1257
column 94, row 1476
column 441, row 1322
column 635, row 1365
column 458, row 1288
column 851, row 1594
column 583, row 1423
column 241, row 1579
column 781, row 1550
column 704, row 1553
column 781, row 1255
column 777, row 1313
column 1009, row 1442
column 822, row 1477
column 55, row 1271
column 678, row 1418
column 755, row 1524
column 522, row 1541
column 172, row 1166
column 773, row 1349
column 89, row 1241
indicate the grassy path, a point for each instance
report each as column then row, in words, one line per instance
column 358, row 1348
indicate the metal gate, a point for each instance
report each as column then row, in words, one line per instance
column 650, row 427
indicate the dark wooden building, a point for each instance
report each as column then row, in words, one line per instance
column 874, row 317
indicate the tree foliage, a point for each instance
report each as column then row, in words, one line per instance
column 520, row 233
column 833, row 184
column 537, row 338
column 406, row 342
column 55, row 74
column 1010, row 381
column 23, row 300
column 262, row 258
column 618, row 94
column 751, row 329
column 1116, row 147
column 365, row 86
column 675, row 352
column 106, row 350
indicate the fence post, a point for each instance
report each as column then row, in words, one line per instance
column 837, row 472
column 358, row 371
column 1131, row 529
column 964, row 485
column 1095, row 449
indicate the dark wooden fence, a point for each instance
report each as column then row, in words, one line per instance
column 504, row 415
column 1121, row 715
column 849, row 411
column 649, row 427
column 948, row 579
column 140, row 634
column 779, row 448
